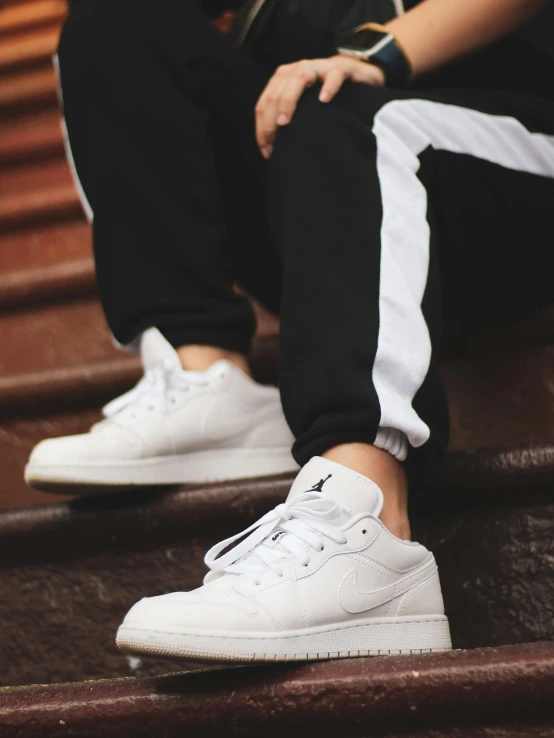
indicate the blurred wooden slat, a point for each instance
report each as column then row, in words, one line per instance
column 19, row 15
column 27, row 91
column 37, row 193
column 29, row 48
column 31, row 138
column 57, row 242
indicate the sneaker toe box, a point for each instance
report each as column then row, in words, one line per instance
column 87, row 447
column 199, row 611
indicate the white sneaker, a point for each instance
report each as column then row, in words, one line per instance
column 174, row 427
column 319, row 577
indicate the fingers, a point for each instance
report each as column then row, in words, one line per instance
column 332, row 82
column 302, row 78
column 266, row 113
column 340, row 68
column 278, row 102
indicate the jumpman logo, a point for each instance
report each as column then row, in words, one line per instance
column 319, row 486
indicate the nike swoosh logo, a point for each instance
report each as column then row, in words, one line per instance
column 354, row 600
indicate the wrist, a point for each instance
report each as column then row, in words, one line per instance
column 377, row 46
column 375, row 75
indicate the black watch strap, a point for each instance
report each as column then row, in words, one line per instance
column 390, row 58
column 386, row 53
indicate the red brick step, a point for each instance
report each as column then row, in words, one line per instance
column 47, row 283
column 18, row 16
column 493, row 691
column 28, row 91
column 29, row 48
column 31, row 138
column 52, row 244
column 37, row 193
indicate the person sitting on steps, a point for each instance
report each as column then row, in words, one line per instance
column 361, row 189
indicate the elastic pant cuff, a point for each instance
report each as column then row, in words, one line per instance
column 417, row 463
column 303, row 452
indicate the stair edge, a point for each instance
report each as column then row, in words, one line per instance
column 55, row 282
column 464, row 686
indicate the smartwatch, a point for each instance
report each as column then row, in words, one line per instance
column 374, row 44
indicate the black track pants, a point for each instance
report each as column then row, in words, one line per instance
column 376, row 215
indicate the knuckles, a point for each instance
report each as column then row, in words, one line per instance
column 305, row 73
column 339, row 65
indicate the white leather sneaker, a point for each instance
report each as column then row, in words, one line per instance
column 174, row 427
column 319, row 577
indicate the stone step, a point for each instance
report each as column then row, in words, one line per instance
column 43, row 314
column 54, row 243
column 29, row 48
column 28, row 90
column 17, row 16
column 71, row 332
column 72, row 569
column 35, row 193
column 506, row 692
column 502, row 397
column 47, row 283
column 29, row 138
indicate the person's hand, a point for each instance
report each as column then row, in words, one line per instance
column 278, row 101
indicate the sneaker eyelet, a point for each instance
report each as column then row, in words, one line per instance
column 322, row 547
column 306, row 564
column 364, row 532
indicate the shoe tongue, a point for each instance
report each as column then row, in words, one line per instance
column 156, row 350
column 353, row 490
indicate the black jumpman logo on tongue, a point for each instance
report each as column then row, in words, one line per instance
column 319, row 486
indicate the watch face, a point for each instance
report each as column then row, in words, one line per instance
column 361, row 40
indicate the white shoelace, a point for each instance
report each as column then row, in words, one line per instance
column 302, row 520
column 156, row 381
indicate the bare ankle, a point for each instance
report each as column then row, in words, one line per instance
column 197, row 358
column 387, row 473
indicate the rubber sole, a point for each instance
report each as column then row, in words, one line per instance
column 378, row 637
column 193, row 468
